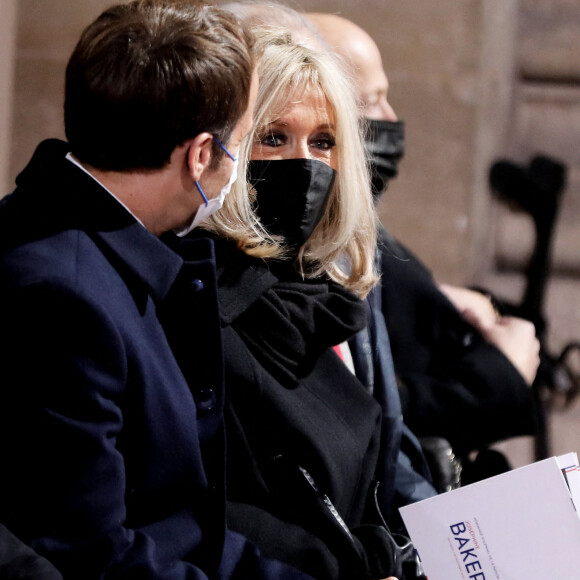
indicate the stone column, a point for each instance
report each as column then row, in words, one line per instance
column 8, row 50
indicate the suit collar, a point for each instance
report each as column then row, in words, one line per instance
column 55, row 195
column 149, row 259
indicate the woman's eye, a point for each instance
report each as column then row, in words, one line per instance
column 271, row 139
column 324, row 142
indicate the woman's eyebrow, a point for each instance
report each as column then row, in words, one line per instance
column 276, row 122
column 326, row 126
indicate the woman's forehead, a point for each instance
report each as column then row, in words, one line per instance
column 308, row 93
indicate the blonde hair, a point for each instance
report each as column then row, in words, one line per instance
column 271, row 13
column 343, row 244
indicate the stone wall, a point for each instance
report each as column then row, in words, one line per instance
column 8, row 26
column 47, row 33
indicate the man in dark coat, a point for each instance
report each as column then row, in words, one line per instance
column 463, row 374
column 112, row 453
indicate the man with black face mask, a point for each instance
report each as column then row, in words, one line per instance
column 463, row 371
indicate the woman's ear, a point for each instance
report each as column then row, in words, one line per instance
column 199, row 155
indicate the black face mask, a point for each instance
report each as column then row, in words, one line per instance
column 291, row 195
column 385, row 145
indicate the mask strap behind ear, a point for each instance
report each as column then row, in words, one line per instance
column 224, row 148
column 201, row 191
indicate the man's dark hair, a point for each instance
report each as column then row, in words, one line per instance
column 147, row 76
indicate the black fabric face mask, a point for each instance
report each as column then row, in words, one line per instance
column 291, row 195
column 385, row 146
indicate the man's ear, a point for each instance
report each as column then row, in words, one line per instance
column 199, row 155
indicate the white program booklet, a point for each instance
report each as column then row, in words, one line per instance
column 520, row 525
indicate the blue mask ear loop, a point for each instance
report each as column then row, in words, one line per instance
column 228, row 154
column 224, row 148
column 201, row 191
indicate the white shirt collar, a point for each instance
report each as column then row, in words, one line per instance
column 70, row 157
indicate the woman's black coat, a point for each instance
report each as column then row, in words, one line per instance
column 302, row 432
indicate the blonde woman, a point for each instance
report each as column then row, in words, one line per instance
column 303, row 435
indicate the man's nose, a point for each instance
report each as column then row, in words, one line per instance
column 387, row 111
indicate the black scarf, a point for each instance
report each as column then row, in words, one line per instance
column 287, row 322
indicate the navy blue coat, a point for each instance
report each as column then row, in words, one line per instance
column 111, row 393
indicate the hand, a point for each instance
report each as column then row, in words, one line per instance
column 515, row 338
column 465, row 299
